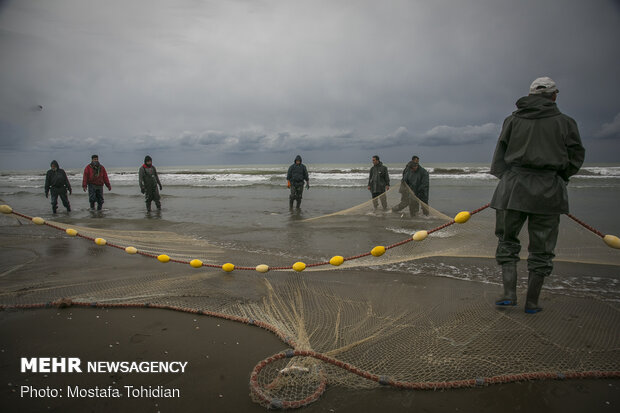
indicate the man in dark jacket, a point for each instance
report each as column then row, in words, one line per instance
column 415, row 178
column 57, row 183
column 295, row 177
column 378, row 182
column 95, row 177
column 538, row 150
column 149, row 181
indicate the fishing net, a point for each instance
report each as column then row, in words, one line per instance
column 359, row 327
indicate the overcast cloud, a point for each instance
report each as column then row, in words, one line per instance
column 212, row 82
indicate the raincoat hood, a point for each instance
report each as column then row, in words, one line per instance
column 298, row 158
column 536, row 107
column 54, row 163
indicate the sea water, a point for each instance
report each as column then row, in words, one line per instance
column 247, row 195
column 245, row 207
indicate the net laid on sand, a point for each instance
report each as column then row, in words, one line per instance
column 366, row 328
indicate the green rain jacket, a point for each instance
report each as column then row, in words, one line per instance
column 378, row 178
column 148, row 179
column 418, row 182
column 538, row 150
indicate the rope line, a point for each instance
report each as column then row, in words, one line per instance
column 586, row 226
column 317, row 264
column 281, row 268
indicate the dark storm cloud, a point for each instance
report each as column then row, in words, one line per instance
column 610, row 130
column 464, row 135
column 345, row 78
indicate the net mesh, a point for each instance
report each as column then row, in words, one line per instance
column 359, row 327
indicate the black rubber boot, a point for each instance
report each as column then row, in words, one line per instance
column 54, row 209
column 158, row 204
column 148, row 207
column 298, row 203
column 290, row 203
column 92, row 205
column 534, row 285
column 509, row 277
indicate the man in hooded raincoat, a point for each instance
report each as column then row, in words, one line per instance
column 538, row 150
column 57, row 183
column 95, row 177
column 149, row 181
column 295, row 177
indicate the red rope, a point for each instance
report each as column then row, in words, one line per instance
column 586, row 226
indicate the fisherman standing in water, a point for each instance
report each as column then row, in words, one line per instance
column 415, row 178
column 149, row 181
column 538, row 150
column 378, row 182
column 57, row 183
column 295, row 177
column 95, row 177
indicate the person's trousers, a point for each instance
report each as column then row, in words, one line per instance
column 382, row 197
column 152, row 194
column 543, row 235
column 62, row 193
column 411, row 202
column 95, row 194
column 407, row 198
column 404, row 199
column 296, row 191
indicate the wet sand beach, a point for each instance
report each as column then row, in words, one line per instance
column 218, row 372
column 220, row 353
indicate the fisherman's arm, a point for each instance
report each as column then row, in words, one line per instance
column 499, row 165
column 67, row 183
column 47, row 184
column 576, row 151
column 106, row 181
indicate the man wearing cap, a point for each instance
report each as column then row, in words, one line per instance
column 538, row 150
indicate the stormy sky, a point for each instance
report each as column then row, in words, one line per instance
column 257, row 81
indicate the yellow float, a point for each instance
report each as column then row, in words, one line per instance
column 336, row 260
column 299, row 266
column 5, row 209
column 131, row 250
column 420, row 235
column 262, row 268
column 71, row 231
column 100, row 241
column 228, row 267
column 38, row 220
column 462, row 217
column 163, row 258
column 196, row 263
column 612, row 241
column 378, row 251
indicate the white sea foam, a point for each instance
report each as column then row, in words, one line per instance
column 320, row 175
